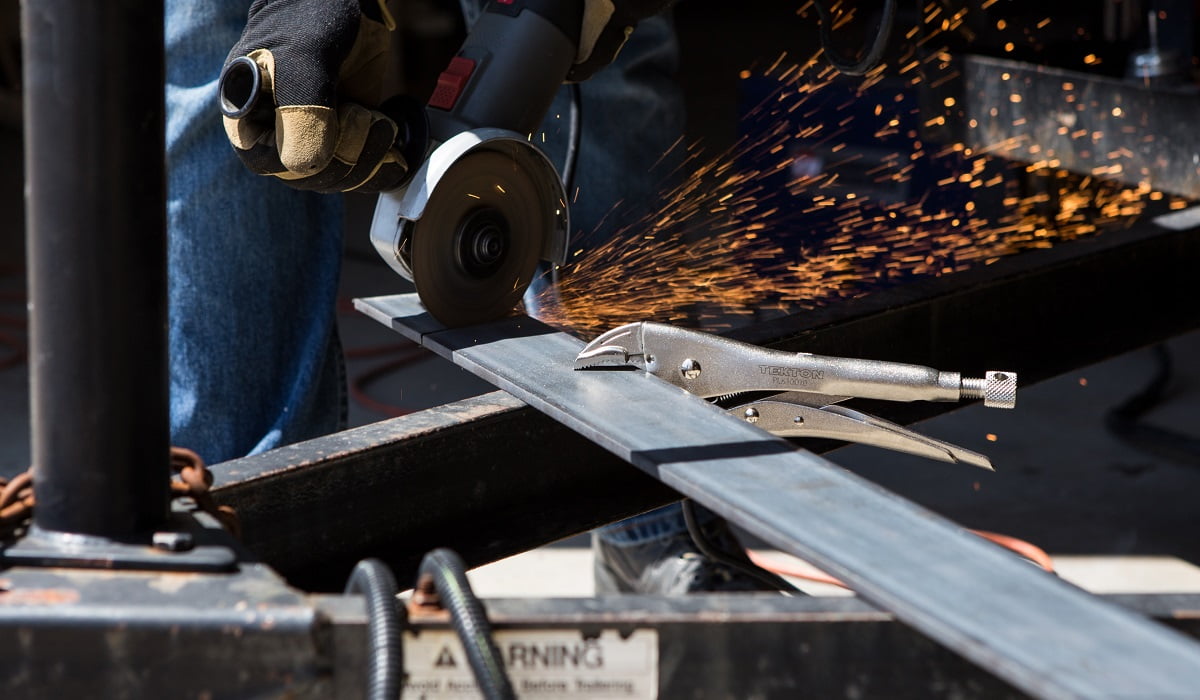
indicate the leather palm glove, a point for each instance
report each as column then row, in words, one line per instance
column 607, row 24
column 322, row 64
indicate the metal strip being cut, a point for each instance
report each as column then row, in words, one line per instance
column 1026, row 626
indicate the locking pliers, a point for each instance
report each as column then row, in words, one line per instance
column 802, row 389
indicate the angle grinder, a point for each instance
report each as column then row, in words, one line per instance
column 485, row 205
column 481, row 206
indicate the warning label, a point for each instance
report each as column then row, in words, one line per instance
column 540, row 663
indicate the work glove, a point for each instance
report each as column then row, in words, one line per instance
column 607, row 24
column 323, row 63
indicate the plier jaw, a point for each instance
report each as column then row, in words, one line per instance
column 620, row 347
column 804, row 388
column 793, row 415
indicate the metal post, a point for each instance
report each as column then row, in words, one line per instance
column 95, row 178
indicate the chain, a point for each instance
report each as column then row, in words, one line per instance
column 194, row 482
column 16, row 504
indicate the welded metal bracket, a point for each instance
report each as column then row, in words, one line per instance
column 186, row 544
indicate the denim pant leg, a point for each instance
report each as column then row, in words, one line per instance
column 253, row 269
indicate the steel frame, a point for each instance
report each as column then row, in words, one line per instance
column 1089, row 300
column 1041, row 313
column 150, row 635
column 311, row 510
column 1043, row 636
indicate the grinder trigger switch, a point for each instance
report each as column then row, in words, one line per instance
column 451, row 82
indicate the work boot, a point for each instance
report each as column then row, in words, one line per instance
column 671, row 565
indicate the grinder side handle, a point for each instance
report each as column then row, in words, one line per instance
column 244, row 92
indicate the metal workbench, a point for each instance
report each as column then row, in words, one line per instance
column 109, row 610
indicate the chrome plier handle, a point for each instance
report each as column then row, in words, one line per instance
column 805, row 388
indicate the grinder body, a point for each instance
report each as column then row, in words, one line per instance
column 521, row 51
column 485, row 205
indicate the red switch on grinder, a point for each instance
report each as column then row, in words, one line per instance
column 451, row 83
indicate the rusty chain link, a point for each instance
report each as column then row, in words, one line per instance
column 16, row 503
column 195, row 480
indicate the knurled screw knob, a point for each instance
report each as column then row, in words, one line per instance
column 997, row 389
column 1000, row 389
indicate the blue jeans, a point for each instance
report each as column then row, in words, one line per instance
column 253, row 265
column 253, row 269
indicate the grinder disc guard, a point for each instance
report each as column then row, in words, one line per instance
column 477, row 245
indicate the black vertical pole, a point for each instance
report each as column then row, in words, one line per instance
column 95, row 179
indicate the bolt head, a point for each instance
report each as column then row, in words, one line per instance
column 173, row 541
column 751, row 415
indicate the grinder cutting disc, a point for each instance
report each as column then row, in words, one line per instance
column 475, row 248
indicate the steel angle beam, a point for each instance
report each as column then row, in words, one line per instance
column 1028, row 627
column 313, row 509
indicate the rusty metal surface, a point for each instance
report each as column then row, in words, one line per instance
column 761, row 645
column 806, row 646
column 195, row 482
column 75, row 633
column 16, row 502
column 440, row 477
column 72, row 633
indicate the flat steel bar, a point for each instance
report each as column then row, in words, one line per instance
column 1030, row 628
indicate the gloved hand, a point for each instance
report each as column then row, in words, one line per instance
column 322, row 62
column 607, row 24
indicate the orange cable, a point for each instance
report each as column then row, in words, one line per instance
column 1025, row 549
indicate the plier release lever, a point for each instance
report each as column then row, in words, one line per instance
column 805, row 388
